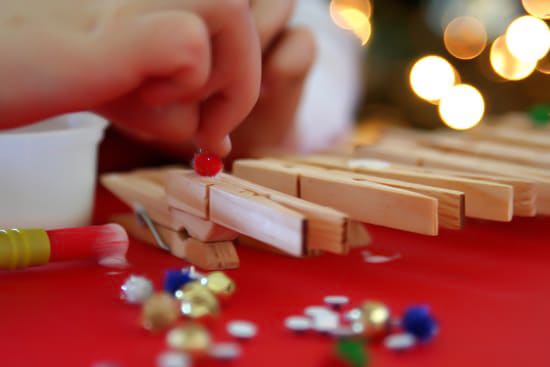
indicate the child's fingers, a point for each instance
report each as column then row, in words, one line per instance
column 234, row 83
column 286, row 67
column 290, row 59
column 271, row 17
column 177, row 52
column 171, row 123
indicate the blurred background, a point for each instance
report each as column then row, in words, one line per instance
column 454, row 62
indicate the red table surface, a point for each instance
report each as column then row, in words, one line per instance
column 488, row 286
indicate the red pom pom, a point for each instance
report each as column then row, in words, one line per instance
column 207, row 164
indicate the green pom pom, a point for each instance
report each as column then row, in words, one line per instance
column 540, row 114
column 353, row 352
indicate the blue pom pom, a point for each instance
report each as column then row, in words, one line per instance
column 418, row 321
column 175, row 279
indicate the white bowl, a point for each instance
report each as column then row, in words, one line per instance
column 48, row 172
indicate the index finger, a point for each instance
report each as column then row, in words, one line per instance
column 271, row 16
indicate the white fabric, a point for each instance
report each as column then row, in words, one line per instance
column 327, row 109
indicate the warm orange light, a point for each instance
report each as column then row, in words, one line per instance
column 353, row 15
column 431, row 77
column 528, row 38
column 336, row 7
column 544, row 64
column 462, row 107
column 465, row 37
column 359, row 23
column 507, row 65
column 537, row 8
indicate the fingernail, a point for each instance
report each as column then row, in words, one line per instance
column 226, row 145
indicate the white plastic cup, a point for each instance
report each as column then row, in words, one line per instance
column 48, row 172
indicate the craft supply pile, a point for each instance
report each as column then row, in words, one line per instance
column 189, row 298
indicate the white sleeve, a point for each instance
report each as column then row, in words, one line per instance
column 332, row 89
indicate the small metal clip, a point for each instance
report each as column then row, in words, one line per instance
column 146, row 220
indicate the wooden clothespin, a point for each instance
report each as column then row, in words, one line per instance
column 287, row 223
column 216, row 251
column 411, row 154
column 503, row 134
column 534, row 157
column 483, row 199
column 361, row 199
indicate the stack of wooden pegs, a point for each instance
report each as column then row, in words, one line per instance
column 201, row 218
column 303, row 205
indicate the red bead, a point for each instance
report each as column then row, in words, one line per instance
column 207, row 164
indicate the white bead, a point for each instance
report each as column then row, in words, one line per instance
column 136, row 289
column 298, row 323
column 401, row 341
column 225, row 351
column 313, row 311
column 173, row 359
column 242, row 329
column 353, row 315
column 326, row 322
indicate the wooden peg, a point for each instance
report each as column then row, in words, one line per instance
column 522, row 138
column 524, row 193
column 450, row 202
column 228, row 200
column 133, row 190
column 239, row 209
column 454, row 161
column 483, row 199
column 534, row 157
column 145, row 190
column 205, row 255
column 357, row 235
column 361, row 200
column 326, row 226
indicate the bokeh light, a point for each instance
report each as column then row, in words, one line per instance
column 462, row 107
column 507, row 65
column 528, row 38
column 337, row 6
column 544, row 64
column 353, row 15
column 537, row 8
column 465, row 37
column 431, row 77
column 359, row 24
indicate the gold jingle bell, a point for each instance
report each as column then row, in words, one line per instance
column 159, row 311
column 197, row 300
column 220, row 284
column 375, row 318
column 189, row 337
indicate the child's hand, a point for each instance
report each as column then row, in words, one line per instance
column 165, row 70
column 288, row 54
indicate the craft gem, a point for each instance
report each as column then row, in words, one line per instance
column 375, row 317
column 418, row 321
column 220, row 284
column 242, row 329
column 401, row 341
column 136, row 289
column 206, row 164
column 159, row 311
column 190, row 337
column 298, row 323
column 173, row 359
column 197, row 300
column 225, row 351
